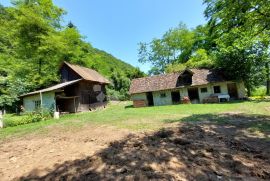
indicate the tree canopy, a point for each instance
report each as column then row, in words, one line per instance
column 241, row 30
column 179, row 45
column 34, row 41
column 235, row 39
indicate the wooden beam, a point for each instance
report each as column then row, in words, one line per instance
column 74, row 104
column 40, row 94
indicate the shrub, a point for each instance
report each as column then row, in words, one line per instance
column 185, row 100
column 116, row 95
column 260, row 91
column 14, row 120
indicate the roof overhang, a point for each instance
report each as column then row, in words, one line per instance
column 53, row 88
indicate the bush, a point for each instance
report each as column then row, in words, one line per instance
column 260, row 91
column 114, row 95
column 15, row 120
column 185, row 100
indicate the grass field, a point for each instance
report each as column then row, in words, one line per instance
column 228, row 141
column 123, row 115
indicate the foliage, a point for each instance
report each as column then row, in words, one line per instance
column 174, row 68
column 260, row 91
column 200, row 59
column 179, row 47
column 114, row 95
column 174, row 46
column 34, row 43
column 185, row 100
column 13, row 120
column 243, row 63
column 235, row 39
column 241, row 30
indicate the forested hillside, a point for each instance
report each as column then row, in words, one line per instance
column 34, row 41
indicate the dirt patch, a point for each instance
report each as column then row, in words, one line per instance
column 189, row 151
column 43, row 152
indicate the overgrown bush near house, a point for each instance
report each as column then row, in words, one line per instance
column 185, row 100
column 15, row 120
column 114, row 95
column 260, row 91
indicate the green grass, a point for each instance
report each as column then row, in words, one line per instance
column 123, row 116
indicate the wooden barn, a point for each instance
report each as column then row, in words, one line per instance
column 81, row 89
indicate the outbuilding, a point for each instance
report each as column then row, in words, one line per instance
column 81, row 89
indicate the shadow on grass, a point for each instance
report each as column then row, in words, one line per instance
column 129, row 106
column 260, row 100
column 255, row 122
column 208, row 149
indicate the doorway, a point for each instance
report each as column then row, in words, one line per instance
column 66, row 104
column 175, row 97
column 150, row 100
column 193, row 95
column 232, row 90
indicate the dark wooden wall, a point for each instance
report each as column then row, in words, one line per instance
column 87, row 93
column 84, row 90
column 184, row 79
column 67, row 74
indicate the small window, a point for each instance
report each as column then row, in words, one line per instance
column 217, row 89
column 204, row 90
column 162, row 95
column 37, row 104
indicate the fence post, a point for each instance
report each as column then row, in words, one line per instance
column 1, row 120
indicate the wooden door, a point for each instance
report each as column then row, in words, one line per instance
column 232, row 90
column 150, row 98
column 175, row 97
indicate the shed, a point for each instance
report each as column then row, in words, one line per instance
column 81, row 89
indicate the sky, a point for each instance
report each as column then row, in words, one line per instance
column 117, row 26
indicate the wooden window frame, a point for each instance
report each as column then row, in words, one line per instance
column 162, row 95
column 218, row 88
column 37, row 104
column 204, row 90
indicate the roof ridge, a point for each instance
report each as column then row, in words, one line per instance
column 160, row 75
column 87, row 73
column 169, row 81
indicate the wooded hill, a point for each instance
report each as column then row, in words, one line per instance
column 34, row 42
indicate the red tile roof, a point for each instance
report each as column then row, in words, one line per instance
column 170, row 81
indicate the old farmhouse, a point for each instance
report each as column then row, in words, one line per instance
column 199, row 85
column 82, row 89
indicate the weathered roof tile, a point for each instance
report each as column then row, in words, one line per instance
column 88, row 74
column 169, row 81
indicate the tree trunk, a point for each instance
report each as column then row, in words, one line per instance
column 268, row 79
column 248, row 90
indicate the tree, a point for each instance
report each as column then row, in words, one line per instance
column 200, row 59
column 243, row 63
column 175, row 46
column 33, row 44
column 237, row 25
column 135, row 73
column 192, row 48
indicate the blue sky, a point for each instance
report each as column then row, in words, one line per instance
column 117, row 26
